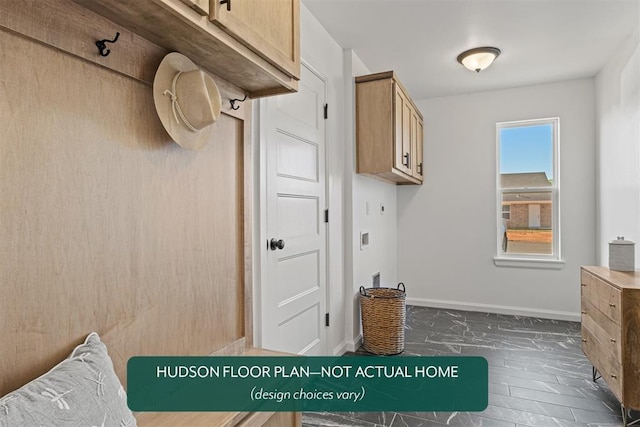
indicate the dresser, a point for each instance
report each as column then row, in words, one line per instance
column 610, row 304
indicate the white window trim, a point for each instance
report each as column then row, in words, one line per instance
column 553, row 261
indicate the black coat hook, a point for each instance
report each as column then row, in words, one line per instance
column 233, row 102
column 102, row 45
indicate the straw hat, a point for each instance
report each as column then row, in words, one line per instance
column 187, row 101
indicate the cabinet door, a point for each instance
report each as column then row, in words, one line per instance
column 402, row 137
column 407, row 138
column 398, row 109
column 414, row 143
column 418, row 169
column 269, row 28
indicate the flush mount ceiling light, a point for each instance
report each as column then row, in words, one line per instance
column 479, row 58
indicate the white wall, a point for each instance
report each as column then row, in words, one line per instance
column 618, row 147
column 447, row 227
column 360, row 191
column 420, row 239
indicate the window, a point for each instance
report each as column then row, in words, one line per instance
column 528, row 192
column 506, row 212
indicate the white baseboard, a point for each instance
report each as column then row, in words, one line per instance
column 355, row 344
column 341, row 349
column 499, row 309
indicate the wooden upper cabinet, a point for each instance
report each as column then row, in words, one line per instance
column 389, row 130
column 255, row 45
column 417, row 132
column 407, row 134
column 400, row 142
column 271, row 28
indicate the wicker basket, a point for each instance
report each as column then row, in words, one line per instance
column 383, row 312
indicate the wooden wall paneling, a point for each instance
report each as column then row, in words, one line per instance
column 107, row 225
column 247, row 200
column 71, row 28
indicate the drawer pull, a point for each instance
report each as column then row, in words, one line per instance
column 584, row 311
column 583, row 284
column 613, row 340
column 614, row 376
column 584, row 340
column 612, row 305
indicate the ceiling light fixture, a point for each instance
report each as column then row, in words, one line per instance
column 479, row 58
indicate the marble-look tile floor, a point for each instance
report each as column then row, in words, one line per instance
column 538, row 375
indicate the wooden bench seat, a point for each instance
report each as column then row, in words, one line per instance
column 223, row 419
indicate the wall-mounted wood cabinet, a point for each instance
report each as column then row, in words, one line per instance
column 269, row 28
column 389, row 130
column 254, row 45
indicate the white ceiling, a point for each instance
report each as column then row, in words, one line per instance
column 541, row 40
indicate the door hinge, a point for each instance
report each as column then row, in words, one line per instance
column 326, row 111
column 326, row 215
column 326, row 319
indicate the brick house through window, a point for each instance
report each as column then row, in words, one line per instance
column 527, row 210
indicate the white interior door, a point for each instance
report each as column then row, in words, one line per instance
column 293, row 298
column 534, row 216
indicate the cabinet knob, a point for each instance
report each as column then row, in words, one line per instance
column 228, row 3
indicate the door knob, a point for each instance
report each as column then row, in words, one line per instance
column 276, row 244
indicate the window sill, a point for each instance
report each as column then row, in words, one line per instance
column 546, row 264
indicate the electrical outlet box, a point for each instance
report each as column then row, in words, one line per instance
column 375, row 282
column 364, row 240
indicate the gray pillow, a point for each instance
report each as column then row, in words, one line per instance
column 82, row 390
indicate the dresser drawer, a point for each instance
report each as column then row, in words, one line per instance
column 612, row 375
column 604, row 361
column 612, row 329
column 604, row 331
column 602, row 296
